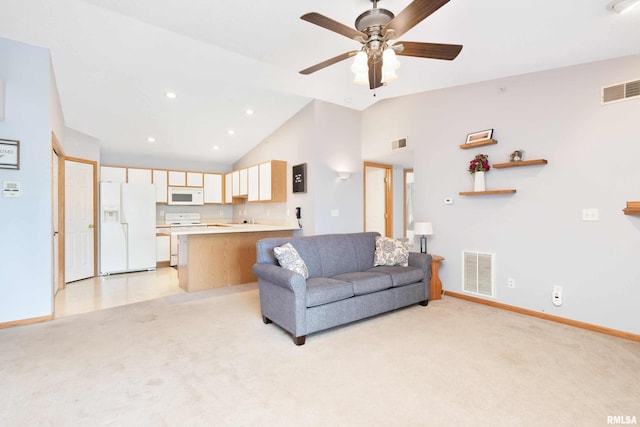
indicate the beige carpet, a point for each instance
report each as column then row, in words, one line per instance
column 207, row 359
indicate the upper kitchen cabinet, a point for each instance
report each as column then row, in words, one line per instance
column 195, row 179
column 244, row 188
column 253, row 183
column 160, row 180
column 177, row 179
column 139, row 176
column 235, row 183
column 212, row 188
column 113, row 174
column 228, row 190
column 273, row 181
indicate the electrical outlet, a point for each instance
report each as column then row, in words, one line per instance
column 556, row 296
column 511, row 282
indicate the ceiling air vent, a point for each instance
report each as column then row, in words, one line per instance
column 399, row 144
column 477, row 273
column 621, row 92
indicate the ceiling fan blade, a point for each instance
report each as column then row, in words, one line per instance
column 328, row 62
column 331, row 25
column 375, row 73
column 412, row 15
column 430, row 50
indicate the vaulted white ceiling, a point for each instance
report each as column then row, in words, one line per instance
column 115, row 59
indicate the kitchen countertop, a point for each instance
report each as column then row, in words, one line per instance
column 218, row 228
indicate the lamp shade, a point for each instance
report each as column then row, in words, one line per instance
column 422, row 229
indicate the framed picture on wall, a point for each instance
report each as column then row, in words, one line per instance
column 299, row 174
column 479, row 136
column 9, row 154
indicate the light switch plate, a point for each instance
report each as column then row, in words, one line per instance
column 591, row 214
column 10, row 189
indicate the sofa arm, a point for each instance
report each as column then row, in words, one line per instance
column 281, row 277
column 422, row 261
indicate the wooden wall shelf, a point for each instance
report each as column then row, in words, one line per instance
column 486, row 193
column 633, row 208
column 520, row 163
column 478, row 144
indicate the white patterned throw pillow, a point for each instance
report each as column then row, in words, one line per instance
column 289, row 258
column 391, row 252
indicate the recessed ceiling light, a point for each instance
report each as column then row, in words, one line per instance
column 249, row 112
column 216, row 148
column 151, row 140
column 170, row 95
column 231, row 132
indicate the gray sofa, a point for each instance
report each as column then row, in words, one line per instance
column 343, row 284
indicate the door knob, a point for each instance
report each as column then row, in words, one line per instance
column 90, row 225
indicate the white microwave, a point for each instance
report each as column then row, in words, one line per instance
column 186, row 196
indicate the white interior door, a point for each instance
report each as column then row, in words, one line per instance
column 79, row 226
column 54, row 221
column 375, row 200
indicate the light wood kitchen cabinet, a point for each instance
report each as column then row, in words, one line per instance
column 139, row 176
column 163, row 250
column 113, row 174
column 243, row 183
column 194, row 179
column 253, row 180
column 177, row 178
column 228, row 191
column 235, row 183
column 160, row 181
column 273, row 181
column 212, row 188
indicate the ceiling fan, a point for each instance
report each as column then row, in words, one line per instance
column 375, row 62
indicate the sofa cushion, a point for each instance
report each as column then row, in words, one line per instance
column 366, row 282
column 391, row 252
column 289, row 258
column 325, row 255
column 400, row 276
column 323, row 290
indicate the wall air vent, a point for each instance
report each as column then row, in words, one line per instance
column 477, row 273
column 621, row 92
column 399, row 144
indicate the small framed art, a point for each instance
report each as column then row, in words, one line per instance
column 299, row 174
column 9, row 154
column 479, row 136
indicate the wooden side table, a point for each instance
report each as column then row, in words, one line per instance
column 435, row 284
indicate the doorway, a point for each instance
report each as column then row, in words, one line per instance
column 378, row 198
column 408, row 204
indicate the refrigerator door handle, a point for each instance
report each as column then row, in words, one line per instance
column 125, row 228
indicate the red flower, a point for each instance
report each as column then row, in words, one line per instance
column 479, row 164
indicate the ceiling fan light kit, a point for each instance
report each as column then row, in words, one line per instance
column 376, row 62
column 623, row 6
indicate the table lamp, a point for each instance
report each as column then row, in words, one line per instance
column 423, row 229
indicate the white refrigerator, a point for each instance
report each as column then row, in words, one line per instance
column 127, row 227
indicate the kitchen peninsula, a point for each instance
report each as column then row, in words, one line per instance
column 221, row 254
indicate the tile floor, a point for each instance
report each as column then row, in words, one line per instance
column 98, row 293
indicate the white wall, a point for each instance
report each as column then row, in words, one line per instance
column 327, row 138
column 80, row 145
column 536, row 234
column 25, row 222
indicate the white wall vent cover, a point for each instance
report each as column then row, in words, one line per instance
column 399, row 144
column 477, row 273
column 621, row 92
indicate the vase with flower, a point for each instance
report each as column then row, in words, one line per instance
column 477, row 167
